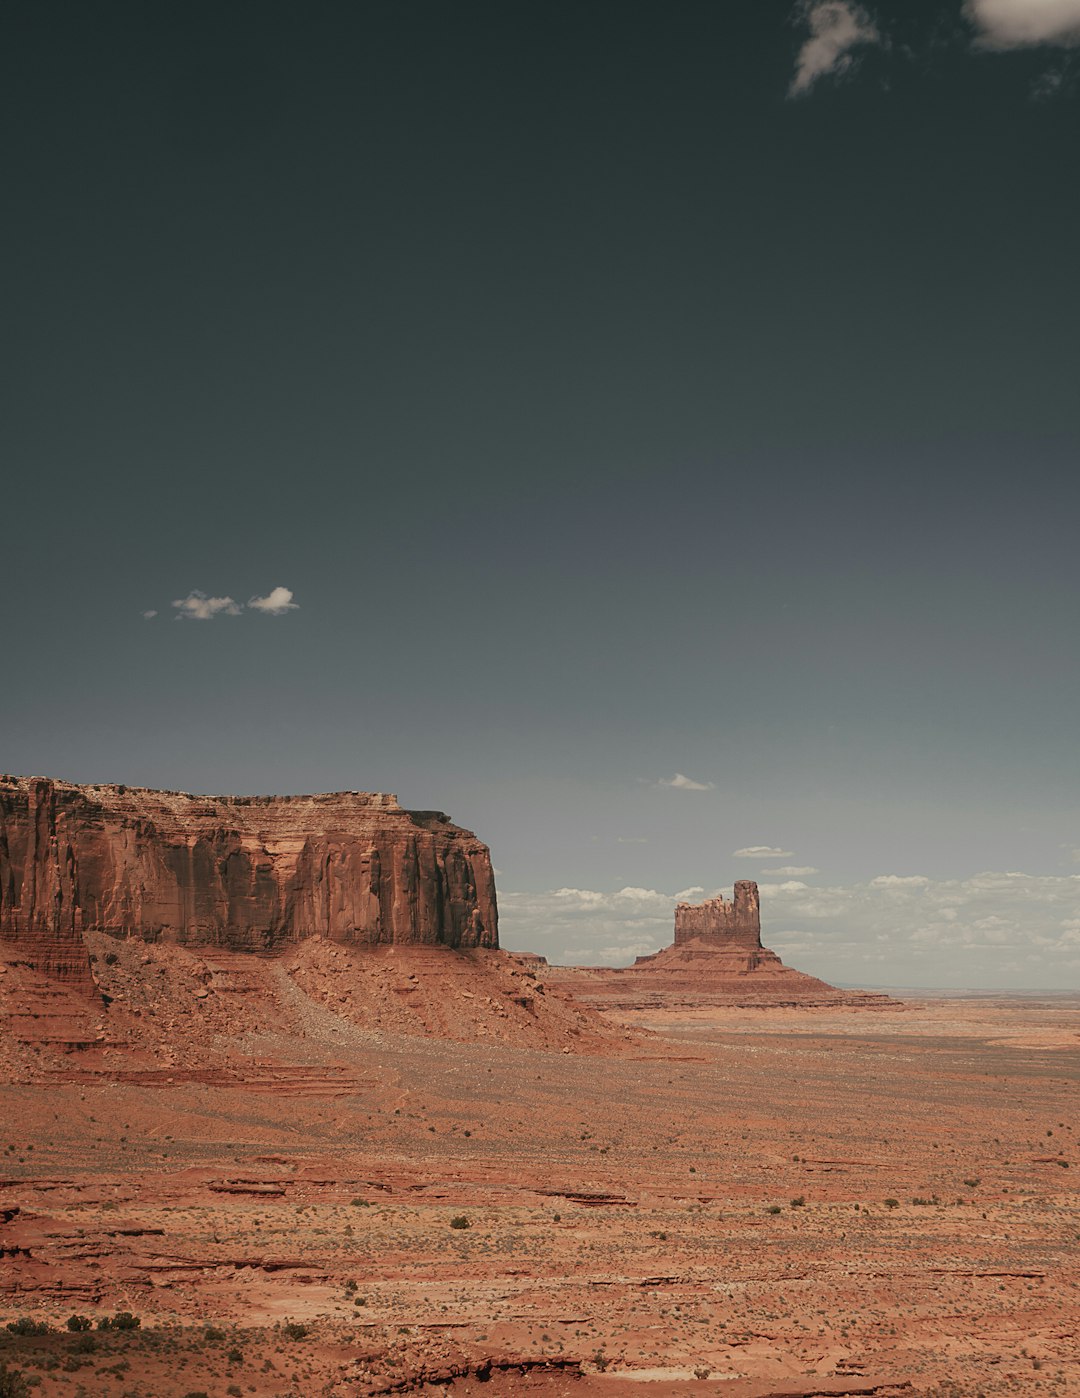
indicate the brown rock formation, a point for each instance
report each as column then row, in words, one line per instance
column 716, row 959
column 245, row 873
column 730, row 922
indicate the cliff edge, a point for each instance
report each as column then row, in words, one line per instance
column 242, row 873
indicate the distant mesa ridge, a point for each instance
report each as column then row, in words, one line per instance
column 245, row 873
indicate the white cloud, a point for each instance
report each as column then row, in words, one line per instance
column 835, row 28
column 276, row 602
column 795, row 871
column 199, row 607
column 761, row 852
column 994, row 930
column 149, row 616
column 1008, row 24
column 631, row 840
column 682, row 783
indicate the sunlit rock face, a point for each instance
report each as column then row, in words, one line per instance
column 246, row 873
column 734, row 922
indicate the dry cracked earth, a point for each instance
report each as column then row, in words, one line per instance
column 295, row 1187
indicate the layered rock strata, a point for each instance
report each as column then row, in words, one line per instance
column 244, row 873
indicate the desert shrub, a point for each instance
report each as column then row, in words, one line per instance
column 798, row 1202
column 459, row 1221
column 294, row 1331
column 85, row 1344
column 79, row 1322
column 235, row 1356
column 892, row 1203
column 235, row 1391
column 773, row 1209
column 972, row 1182
column 122, row 1320
column 702, row 1373
column 361, row 1203
column 12, row 1383
column 25, row 1326
column 212, row 1332
column 601, row 1360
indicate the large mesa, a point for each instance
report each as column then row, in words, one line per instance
column 245, row 873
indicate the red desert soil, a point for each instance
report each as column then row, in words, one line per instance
column 272, row 1164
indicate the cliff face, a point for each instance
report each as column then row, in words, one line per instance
column 248, row 873
column 734, row 923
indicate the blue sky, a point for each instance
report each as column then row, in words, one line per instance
column 518, row 408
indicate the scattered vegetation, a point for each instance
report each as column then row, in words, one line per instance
column 25, row 1326
column 12, row 1383
column 122, row 1320
column 460, row 1221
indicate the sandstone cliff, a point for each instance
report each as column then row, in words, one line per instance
column 246, row 873
column 731, row 922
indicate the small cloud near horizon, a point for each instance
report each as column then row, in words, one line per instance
column 795, row 871
column 835, row 28
column 149, row 615
column 762, row 852
column 680, row 782
column 276, row 602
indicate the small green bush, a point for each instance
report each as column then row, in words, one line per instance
column 773, row 1209
column 79, row 1322
column 25, row 1326
column 459, row 1221
column 799, row 1202
column 294, row 1331
column 212, row 1332
column 892, row 1203
column 12, row 1383
column 122, row 1320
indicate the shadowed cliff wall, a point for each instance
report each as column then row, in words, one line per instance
column 249, row 873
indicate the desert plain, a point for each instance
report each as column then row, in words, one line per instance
column 418, row 1170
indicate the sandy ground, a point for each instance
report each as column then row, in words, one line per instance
column 737, row 1203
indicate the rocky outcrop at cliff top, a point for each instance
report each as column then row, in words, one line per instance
column 730, row 922
column 248, row 873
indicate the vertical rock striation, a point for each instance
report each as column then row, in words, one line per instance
column 734, row 922
column 246, row 873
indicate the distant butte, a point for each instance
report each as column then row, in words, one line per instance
column 716, row 959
